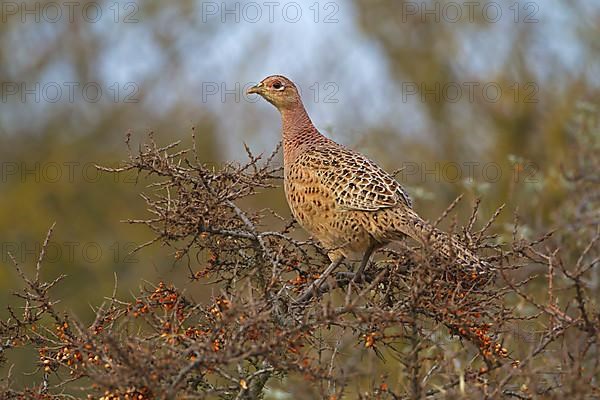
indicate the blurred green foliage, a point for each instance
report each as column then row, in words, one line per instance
column 527, row 141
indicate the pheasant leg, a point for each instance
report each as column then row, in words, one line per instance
column 363, row 264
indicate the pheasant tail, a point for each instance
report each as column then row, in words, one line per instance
column 408, row 222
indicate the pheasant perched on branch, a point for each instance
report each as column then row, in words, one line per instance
column 346, row 201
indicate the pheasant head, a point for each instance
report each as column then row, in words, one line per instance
column 279, row 91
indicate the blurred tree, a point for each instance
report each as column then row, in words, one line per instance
column 161, row 56
column 435, row 47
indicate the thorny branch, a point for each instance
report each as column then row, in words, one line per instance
column 443, row 332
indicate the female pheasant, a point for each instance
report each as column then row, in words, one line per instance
column 346, row 201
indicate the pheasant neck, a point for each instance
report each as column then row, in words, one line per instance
column 298, row 131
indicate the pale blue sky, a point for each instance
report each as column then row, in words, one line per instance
column 308, row 52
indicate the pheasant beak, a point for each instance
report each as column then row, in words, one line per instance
column 256, row 89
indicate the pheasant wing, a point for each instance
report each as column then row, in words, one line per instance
column 356, row 182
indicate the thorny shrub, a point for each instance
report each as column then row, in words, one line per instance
column 531, row 332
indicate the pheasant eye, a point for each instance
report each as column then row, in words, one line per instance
column 277, row 86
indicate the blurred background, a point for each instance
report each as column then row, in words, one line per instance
column 463, row 97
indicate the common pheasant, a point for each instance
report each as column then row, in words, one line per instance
column 346, row 201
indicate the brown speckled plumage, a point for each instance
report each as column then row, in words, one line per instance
column 339, row 196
